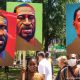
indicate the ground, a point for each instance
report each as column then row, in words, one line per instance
column 13, row 74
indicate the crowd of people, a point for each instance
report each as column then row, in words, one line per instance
column 69, row 69
column 39, row 68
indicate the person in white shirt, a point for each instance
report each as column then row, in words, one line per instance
column 44, row 66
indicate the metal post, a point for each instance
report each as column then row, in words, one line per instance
column 24, row 64
column 7, row 75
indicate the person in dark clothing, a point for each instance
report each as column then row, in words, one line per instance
column 62, row 63
column 72, row 72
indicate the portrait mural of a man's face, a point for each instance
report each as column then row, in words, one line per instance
column 29, row 25
column 7, row 37
column 76, row 21
column 25, row 21
column 3, row 32
column 73, row 28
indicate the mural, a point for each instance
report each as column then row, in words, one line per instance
column 73, row 28
column 29, row 25
column 7, row 37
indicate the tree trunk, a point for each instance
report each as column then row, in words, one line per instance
column 46, row 43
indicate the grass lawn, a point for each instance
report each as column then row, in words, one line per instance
column 13, row 74
column 56, row 68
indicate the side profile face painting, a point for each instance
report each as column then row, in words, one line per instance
column 25, row 21
column 3, row 33
column 76, row 22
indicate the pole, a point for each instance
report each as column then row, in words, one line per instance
column 24, row 64
column 7, row 75
column 19, row 58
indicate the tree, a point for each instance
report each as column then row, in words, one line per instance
column 54, row 22
column 37, row 1
column 12, row 0
column 3, row 5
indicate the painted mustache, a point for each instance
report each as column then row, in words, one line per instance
column 27, row 30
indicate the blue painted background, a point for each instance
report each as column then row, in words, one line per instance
column 70, row 30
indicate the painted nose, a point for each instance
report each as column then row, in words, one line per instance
column 2, row 33
column 26, row 22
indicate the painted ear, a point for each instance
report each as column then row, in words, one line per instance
column 74, row 24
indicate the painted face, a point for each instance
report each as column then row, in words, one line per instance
column 32, row 65
column 76, row 23
column 26, row 22
column 3, row 33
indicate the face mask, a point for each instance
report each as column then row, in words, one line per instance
column 72, row 62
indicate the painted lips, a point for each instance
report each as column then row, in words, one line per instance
column 1, row 43
column 27, row 32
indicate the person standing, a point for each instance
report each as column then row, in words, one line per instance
column 31, row 71
column 44, row 66
column 72, row 72
column 62, row 63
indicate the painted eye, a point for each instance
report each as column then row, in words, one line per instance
column 30, row 17
column 79, row 19
column 21, row 17
column 3, row 27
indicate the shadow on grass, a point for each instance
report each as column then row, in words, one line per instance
column 13, row 74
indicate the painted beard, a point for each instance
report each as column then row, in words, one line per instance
column 27, row 33
column 78, row 34
column 3, row 41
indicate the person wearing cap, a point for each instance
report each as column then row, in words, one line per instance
column 44, row 66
